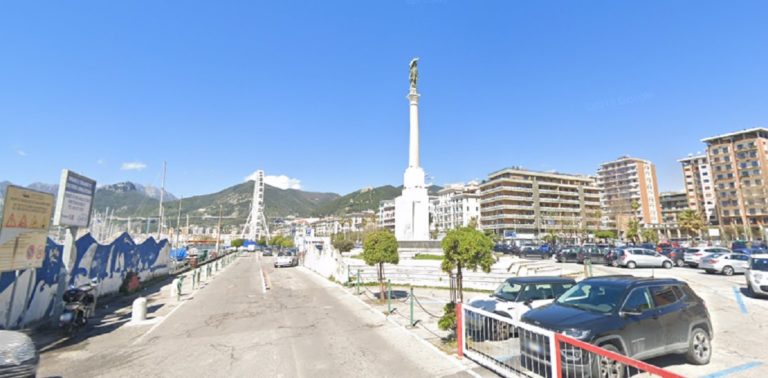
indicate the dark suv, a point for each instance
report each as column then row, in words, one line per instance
column 638, row 317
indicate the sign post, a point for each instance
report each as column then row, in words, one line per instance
column 74, row 206
column 23, row 233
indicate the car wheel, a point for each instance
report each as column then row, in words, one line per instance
column 631, row 265
column 605, row 367
column 700, row 348
column 728, row 271
column 680, row 263
column 667, row 265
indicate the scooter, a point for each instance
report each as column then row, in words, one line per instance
column 79, row 305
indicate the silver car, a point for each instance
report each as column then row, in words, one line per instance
column 725, row 263
column 641, row 257
column 694, row 255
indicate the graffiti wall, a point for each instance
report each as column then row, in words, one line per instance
column 29, row 296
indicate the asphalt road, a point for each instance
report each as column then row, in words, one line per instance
column 303, row 326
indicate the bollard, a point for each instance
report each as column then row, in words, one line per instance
column 389, row 297
column 175, row 287
column 179, row 284
column 413, row 323
column 589, row 264
column 358, row 282
column 193, row 280
column 139, row 312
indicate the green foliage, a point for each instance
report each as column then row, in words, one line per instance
column 281, row 241
column 380, row 247
column 605, row 234
column 466, row 248
column 343, row 245
column 448, row 321
column 650, row 236
column 237, row 243
column 263, row 240
column 633, row 230
column 691, row 222
column 364, row 199
column 425, row 256
column 550, row 237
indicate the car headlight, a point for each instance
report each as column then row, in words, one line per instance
column 580, row 334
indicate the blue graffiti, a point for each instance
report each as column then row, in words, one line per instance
column 93, row 260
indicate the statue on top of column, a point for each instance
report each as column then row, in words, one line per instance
column 414, row 76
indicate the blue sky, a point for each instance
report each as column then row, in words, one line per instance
column 316, row 90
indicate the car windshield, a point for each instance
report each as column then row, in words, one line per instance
column 759, row 264
column 281, row 254
column 592, row 297
column 508, row 291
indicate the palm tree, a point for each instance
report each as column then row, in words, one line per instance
column 691, row 222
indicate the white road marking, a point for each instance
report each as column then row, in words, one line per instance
column 158, row 323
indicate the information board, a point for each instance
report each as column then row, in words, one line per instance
column 75, row 200
column 23, row 233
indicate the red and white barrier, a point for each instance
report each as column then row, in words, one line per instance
column 512, row 348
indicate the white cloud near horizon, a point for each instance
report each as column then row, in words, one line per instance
column 100, row 162
column 281, row 181
column 21, row 152
column 133, row 166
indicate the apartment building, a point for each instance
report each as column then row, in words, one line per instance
column 386, row 216
column 531, row 203
column 738, row 163
column 625, row 181
column 699, row 187
column 455, row 206
column 672, row 204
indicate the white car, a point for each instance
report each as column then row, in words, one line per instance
column 725, row 263
column 694, row 255
column 283, row 259
column 757, row 275
column 641, row 257
column 517, row 295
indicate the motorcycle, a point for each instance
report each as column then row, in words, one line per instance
column 79, row 305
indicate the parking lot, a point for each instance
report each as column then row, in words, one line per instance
column 740, row 322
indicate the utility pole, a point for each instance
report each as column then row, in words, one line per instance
column 187, row 233
column 218, row 232
column 162, row 193
column 178, row 221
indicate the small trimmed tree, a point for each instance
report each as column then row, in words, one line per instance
column 605, row 234
column 691, row 222
column 466, row 248
column 379, row 248
column 343, row 244
column 237, row 243
column 633, row 230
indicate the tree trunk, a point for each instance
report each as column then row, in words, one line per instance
column 459, row 283
column 381, row 282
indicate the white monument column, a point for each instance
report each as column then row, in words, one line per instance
column 412, row 207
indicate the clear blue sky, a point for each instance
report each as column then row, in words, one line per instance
column 316, row 90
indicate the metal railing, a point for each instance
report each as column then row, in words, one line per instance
column 512, row 348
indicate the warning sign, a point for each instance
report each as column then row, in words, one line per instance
column 24, row 228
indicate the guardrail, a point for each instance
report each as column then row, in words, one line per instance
column 512, row 348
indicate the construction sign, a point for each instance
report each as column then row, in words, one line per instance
column 24, row 228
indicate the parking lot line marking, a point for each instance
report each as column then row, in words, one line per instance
column 735, row 369
column 740, row 300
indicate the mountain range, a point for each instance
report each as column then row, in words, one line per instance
column 128, row 199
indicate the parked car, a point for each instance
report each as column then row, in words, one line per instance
column 283, row 259
column 504, row 248
column 637, row 317
column 749, row 248
column 267, row 252
column 725, row 263
column 18, row 355
column 757, row 275
column 517, row 295
column 595, row 255
column 542, row 252
column 677, row 255
column 568, row 254
column 640, row 257
column 694, row 255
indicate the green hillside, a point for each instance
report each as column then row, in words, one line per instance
column 364, row 199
